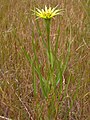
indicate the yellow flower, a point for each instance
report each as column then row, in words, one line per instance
column 48, row 13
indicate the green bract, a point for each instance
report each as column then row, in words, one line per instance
column 47, row 13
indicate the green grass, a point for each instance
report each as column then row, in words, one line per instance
column 41, row 82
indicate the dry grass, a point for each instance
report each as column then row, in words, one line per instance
column 16, row 90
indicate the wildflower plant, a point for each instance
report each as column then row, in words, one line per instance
column 48, row 86
column 47, row 14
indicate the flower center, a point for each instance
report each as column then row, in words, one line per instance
column 47, row 15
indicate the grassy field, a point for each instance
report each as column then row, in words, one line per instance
column 31, row 86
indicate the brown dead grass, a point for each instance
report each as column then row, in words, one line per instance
column 16, row 90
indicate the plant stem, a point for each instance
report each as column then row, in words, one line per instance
column 47, row 22
column 50, row 56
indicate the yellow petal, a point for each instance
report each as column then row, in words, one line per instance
column 45, row 8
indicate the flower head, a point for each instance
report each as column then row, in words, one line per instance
column 47, row 13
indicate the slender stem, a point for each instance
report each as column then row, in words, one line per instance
column 47, row 22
